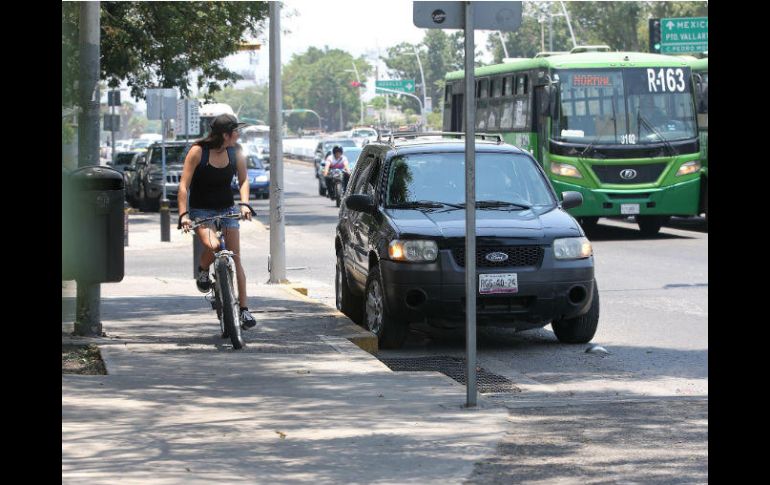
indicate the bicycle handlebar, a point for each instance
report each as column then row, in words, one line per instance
column 199, row 222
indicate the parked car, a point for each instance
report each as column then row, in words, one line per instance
column 259, row 178
column 131, row 178
column 121, row 160
column 150, row 181
column 400, row 243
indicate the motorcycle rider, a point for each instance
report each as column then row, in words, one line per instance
column 336, row 160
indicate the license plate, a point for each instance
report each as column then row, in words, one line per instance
column 629, row 209
column 498, row 283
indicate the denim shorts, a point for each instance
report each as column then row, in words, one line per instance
column 226, row 223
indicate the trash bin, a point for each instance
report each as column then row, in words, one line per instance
column 96, row 224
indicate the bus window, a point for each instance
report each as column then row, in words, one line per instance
column 448, row 94
column 483, row 88
column 521, row 84
column 497, row 87
column 508, row 86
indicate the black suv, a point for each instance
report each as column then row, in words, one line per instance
column 400, row 243
column 148, row 184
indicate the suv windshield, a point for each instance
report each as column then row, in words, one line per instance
column 174, row 154
column 253, row 162
column 123, row 158
column 624, row 107
column 440, row 177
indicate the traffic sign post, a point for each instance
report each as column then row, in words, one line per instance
column 503, row 16
column 684, row 35
column 161, row 104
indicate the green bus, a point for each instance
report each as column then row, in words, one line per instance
column 618, row 127
column 700, row 71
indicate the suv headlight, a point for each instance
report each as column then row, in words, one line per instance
column 688, row 168
column 565, row 170
column 572, row 248
column 413, row 251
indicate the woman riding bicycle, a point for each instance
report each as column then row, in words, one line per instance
column 208, row 172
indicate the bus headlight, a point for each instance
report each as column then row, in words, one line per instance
column 413, row 251
column 565, row 170
column 688, row 168
column 572, row 248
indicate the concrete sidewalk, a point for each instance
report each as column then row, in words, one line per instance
column 300, row 404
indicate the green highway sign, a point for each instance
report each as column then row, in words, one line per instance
column 684, row 35
column 403, row 85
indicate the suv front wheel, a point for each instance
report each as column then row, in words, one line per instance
column 579, row 330
column 390, row 332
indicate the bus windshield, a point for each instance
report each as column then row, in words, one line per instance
column 624, row 106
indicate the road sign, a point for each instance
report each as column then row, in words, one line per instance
column 188, row 120
column 402, row 85
column 111, row 123
column 503, row 16
column 113, row 98
column 684, row 35
column 161, row 99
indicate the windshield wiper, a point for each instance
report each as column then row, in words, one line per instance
column 641, row 119
column 487, row 204
column 426, row 204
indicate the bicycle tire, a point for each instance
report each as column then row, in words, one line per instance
column 230, row 308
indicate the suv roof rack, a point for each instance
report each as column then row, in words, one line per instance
column 412, row 135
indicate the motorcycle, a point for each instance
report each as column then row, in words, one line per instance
column 336, row 184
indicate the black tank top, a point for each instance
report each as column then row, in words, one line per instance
column 210, row 187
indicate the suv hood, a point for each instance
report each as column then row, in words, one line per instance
column 442, row 223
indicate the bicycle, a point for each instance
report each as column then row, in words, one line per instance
column 225, row 282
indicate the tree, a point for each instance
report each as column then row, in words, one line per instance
column 533, row 35
column 250, row 102
column 159, row 44
column 439, row 53
column 317, row 79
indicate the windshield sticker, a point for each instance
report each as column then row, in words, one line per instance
column 573, row 133
column 629, row 139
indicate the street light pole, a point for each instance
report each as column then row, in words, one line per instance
column 360, row 99
column 422, row 108
column 424, row 89
column 277, row 259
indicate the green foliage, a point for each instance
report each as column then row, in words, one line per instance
column 439, row 53
column 532, row 36
column 158, row 44
column 67, row 132
column 318, row 80
column 250, row 102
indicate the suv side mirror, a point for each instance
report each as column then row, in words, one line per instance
column 571, row 199
column 360, row 203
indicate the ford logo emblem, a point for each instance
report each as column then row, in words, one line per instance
column 496, row 257
column 628, row 174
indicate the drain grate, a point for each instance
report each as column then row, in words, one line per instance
column 454, row 367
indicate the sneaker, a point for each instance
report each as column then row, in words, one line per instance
column 203, row 281
column 247, row 320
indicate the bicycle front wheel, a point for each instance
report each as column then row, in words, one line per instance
column 230, row 314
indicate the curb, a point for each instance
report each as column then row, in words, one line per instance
column 364, row 339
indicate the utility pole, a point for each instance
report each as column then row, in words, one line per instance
column 424, row 89
column 88, row 315
column 277, row 259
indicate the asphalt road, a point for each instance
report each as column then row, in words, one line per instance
column 654, row 306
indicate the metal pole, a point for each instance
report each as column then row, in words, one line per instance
column 165, row 224
column 424, row 89
column 360, row 99
column 470, row 207
column 87, row 316
column 569, row 24
column 277, row 234
column 502, row 41
column 112, row 130
column 550, row 30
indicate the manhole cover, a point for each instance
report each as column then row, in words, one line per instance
column 454, row 367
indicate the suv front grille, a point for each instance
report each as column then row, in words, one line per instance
column 517, row 256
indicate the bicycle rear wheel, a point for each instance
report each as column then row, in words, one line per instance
column 230, row 314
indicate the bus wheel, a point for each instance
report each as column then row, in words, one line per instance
column 650, row 225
